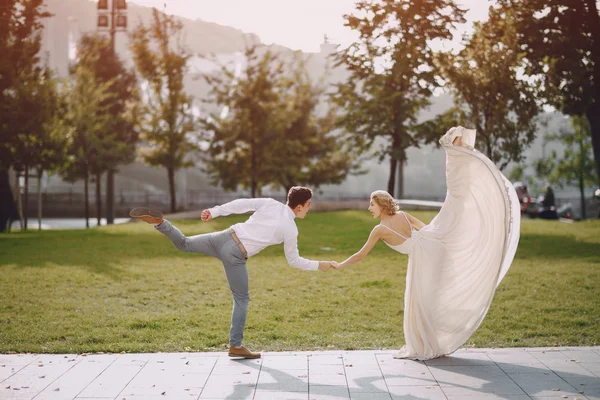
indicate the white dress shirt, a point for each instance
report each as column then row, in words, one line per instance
column 272, row 223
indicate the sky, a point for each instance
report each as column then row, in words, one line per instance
column 297, row 24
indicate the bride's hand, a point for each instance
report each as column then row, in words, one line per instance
column 335, row 264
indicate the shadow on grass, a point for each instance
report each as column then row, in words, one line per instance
column 100, row 251
column 556, row 246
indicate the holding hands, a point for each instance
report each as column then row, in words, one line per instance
column 327, row 265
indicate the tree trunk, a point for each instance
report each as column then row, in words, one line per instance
column 8, row 207
column 581, row 182
column 392, row 179
column 400, row 188
column 26, row 197
column 39, row 198
column 171, row 173
column 110, row 197
column 20, row 202
column 86, row 198
column 582, row 194
column 593, row 116
column 98, row 199
column 593, row 113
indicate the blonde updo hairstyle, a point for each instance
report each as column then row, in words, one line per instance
column 386, row 202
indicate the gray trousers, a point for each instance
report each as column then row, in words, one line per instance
column 222, row 246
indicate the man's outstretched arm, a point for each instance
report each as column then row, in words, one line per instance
column 290, row 247
column 239, row 206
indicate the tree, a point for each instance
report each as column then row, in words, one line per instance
column 561, row 43
column 86, row 126
column 96, row 54
column 271, row 133
column 240, row 141
column 168, row 120
column 392, row 72
column 487, row 92
column 311, row 150
column 575, row 167
column 20, row 43
column 37, row 145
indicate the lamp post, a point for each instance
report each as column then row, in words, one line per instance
column 113, row 19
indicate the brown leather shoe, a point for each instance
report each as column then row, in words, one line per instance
column 147, row 215
column 243, row 352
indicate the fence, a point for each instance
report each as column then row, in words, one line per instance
column 70, row 204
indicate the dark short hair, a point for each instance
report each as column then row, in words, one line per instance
column 298, row 195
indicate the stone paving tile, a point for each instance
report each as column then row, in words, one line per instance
column 7, row 371
column 283, row 381
column 329, row 393
column 326, row 370
column 488, row 396
column 465, row 359
column 371, row 396
column 594, row 368
column 325, row 359
column 468, row 374
column 17, row 359
column 361, row 360
column 77, row 378
column 531, row 368
column 275, row 395
column 327, row 379
column 287, row 362
column 544, row 385
column 32, row 379
column 475, row 381
column 417, row 392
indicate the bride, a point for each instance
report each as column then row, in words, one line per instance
column 456, row 262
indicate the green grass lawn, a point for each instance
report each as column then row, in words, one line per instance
column 126, row 288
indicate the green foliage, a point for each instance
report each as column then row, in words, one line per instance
column 488, row 94
column 560, row 42
column 241, row 142
column 20, row 43
column 167, row 119
column 392, row 72
column 270, row 132
column 87, row 123
column 576, row 166
column 96, row 54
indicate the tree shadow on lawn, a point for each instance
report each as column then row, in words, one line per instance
column 98, row 250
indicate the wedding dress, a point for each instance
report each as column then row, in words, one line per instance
column 456, row 262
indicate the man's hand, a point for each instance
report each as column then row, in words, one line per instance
column 335, row 265
column 206, row 216
column 324, row 266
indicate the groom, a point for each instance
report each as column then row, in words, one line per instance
column 272, row 223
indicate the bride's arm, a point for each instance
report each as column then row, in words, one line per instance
column 373, row 239
column 415, row 222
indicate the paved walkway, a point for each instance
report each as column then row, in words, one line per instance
column 538, row 373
